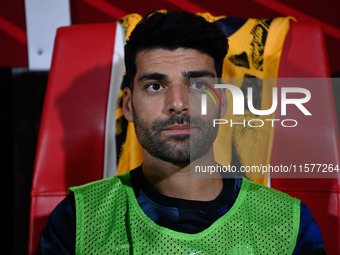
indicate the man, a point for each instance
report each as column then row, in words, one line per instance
column 158, row 208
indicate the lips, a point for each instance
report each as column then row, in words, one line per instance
column 178, row 129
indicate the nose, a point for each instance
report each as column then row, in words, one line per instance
column 177, row 99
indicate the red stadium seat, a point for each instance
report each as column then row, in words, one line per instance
column 71, row 144
column 72, row 140
column 304, row 56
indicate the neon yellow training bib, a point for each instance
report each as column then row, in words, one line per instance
column 109, row 220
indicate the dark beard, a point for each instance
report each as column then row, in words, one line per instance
column 179, row 148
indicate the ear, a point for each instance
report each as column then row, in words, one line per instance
column 224, row 107
column 127, row 104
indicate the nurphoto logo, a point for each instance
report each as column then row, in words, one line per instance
column 239, row 105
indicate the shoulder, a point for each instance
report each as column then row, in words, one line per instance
column 264, row 191
column 274, row 204
column 97, row 196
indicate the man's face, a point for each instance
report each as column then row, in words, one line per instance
column 165, row 124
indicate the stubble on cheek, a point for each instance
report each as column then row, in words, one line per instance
column 179, row 148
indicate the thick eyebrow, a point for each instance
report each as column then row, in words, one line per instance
column 153, row 76
column 187, row 75
column 198, row 74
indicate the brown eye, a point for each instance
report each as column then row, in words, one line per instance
column 198, row 85
column 154, row 87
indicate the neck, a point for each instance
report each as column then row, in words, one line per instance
column 174, row 180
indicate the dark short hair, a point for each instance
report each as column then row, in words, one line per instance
column 173, row 30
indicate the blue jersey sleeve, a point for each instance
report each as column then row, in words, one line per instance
column 59, row 233
column 309, row 239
